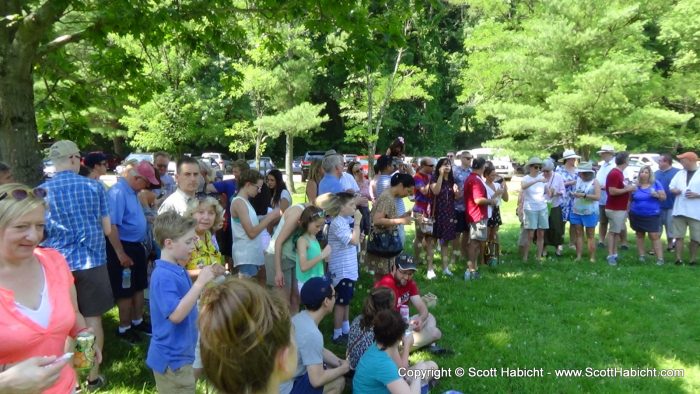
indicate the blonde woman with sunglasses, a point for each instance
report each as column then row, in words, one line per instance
column 38, row 303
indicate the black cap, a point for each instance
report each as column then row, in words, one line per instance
column 405, row 262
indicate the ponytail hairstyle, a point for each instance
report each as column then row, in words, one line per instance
column 404, row 179
column 332, row 203
column 308, row 216
column 243, row 328
column 380, row 298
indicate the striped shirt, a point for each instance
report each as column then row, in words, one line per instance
column 76, row 206
column 342, row 263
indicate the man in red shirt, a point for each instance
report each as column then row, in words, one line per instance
column 476, row 209
column 400, row 281
column 616, row 207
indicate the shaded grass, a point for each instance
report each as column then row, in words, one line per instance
column 562, row 315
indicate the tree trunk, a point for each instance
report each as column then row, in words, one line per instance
column 18, row 131
column 288, row 158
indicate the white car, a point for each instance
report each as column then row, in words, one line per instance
column 650, row 159
column 502, row 163
column 224, row 162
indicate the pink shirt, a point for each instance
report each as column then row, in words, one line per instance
column 22, row 338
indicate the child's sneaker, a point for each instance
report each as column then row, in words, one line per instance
column 467, row 275
column 447, row 272
column 431, row 274
column 612, row 260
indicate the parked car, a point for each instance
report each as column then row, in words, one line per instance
column 347, row 158
column 502, row 163
column 222, row 160
column 137, row 156
column 296, row 164
column 306, row 162
column 266, row 165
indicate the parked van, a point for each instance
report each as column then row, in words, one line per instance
column 504, row 167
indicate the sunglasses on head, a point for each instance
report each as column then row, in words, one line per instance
column 319, row 214
column 21, row 194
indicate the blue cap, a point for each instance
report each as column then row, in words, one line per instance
column 314, row 291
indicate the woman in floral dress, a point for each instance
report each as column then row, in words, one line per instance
column 443, row 189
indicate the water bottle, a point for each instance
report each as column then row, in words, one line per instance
column 405, row 316
column 126, row 278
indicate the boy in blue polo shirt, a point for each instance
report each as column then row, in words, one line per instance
column 173, row 305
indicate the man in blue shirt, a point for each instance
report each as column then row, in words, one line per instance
column 125, row 250
column 333, row 168
column 664, row 174
column 76, row 224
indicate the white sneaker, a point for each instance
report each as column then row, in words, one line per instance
column 431, row 274
column 447, row 272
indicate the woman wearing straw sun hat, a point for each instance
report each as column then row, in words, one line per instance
column 568, row 172
column 584, row 211
column 535, row 218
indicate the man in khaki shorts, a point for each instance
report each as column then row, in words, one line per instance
column 685, row 185
column 616, row 207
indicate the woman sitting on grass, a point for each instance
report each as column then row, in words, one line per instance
column 377, row 372
column 246, row 338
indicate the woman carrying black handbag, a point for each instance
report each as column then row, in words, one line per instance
column 384, row 242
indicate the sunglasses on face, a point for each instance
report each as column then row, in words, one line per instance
column 537, row 167
column 21, row 194
column 162, row 165
column 467, row 158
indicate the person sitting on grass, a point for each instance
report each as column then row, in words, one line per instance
column 319, row 370
column 400, row 281
column 173, row 299
column 377, row 371
column 362, row 331
column 246, row 340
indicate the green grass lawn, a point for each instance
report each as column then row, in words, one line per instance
column 562, row 315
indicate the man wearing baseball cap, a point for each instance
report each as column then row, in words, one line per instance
column 318, row 297
column 685, row 185
column 77, row 220
column 125, row 249
column 424, row 325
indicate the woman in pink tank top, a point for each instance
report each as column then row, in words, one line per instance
column 38, row 306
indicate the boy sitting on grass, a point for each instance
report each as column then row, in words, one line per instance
column 173, row 301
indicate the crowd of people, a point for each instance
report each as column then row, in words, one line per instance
column 226, row 265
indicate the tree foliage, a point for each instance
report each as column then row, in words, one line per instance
column 559, row 74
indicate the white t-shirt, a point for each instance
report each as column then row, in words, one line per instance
column 683, row 206
column 534, row 196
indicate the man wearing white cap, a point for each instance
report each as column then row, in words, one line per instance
column 686, row 209
column 607, row 153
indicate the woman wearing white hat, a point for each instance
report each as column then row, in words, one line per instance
column 584, row 212
column 535, row 218
column 568, row 172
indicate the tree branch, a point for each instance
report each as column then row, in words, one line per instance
column 61, row 41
